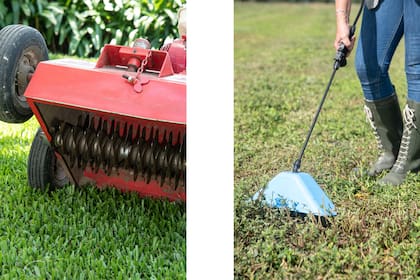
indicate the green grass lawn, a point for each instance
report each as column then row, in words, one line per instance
column 82, row 233
column 283, row 60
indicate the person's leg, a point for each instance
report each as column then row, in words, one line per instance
column 412, row 47
column 380, row 33
column 409, row 153
column 385, row 119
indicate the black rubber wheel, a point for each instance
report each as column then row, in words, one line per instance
column 21, row 49
column 44, row 170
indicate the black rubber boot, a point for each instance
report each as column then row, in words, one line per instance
column 385, row 118
column 409, row 153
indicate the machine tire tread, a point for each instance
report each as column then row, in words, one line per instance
column 41, row 165
column 15, row 40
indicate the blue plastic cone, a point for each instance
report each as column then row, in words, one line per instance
column 297, row 191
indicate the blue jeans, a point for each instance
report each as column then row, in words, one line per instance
column 381, row 31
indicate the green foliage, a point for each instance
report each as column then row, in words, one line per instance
column 82, row 233
column 82, row 27
column 283, row 59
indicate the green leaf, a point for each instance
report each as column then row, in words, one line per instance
column 16, row 11
column 49, row 16
column 118, row 37
column 158, row 5
column 40, row 4
column 129, row 14
column 145, row 22
column 56, row 9
column 132, row 35
column 173, row 16
column 179, row 3
column 88, row 13
column 3, row 14
column 89, row 4
column 57, row 27
column 64, row 31
column 96, row 38
column 26, row 9
column 74, row 27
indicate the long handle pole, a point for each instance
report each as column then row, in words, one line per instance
column 297, row 163
column 339, row 61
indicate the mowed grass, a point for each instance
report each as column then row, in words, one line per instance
column 82, row 233
column 283, row 60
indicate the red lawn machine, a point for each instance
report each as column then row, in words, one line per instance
column 120, row 122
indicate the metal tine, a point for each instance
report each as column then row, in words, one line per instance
column 86, row 123
column 99, row 125
column 183, row 156
column 75, row 131
column 142, row 147
column 177, row 177
column 124, row 135
column 79, row 149
column 148, row 162
column 117, row 130
column 178, row 142
column 91, row 140
column 58, row 139
column 175, row 165
column 105, row 126
column 152, row 153
column 143, row 133
column 165, row 136
column 130, row 140
column 163, row 169
column 84, row 153
column 171, row 163
column 92, row 123
column 168, row 148
column 147, row 157
column 112, row 128
column 79, row 120
column 127, row 142
column 135, row 153
column 136, row 159
column 118, row 143
column 133, row 156
column 156, row 149
column 108, row 154
column 162, row 158
column 151, row 134
column 183, row 144
column 71, row 146
column 180, row 173
column 99, row 145
column 122, row 146
column 107, row 146
column 133, row 134
column 129, row 135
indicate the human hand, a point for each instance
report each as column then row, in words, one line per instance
column 342, row 35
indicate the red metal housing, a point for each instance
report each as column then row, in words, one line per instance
column 116, row 123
